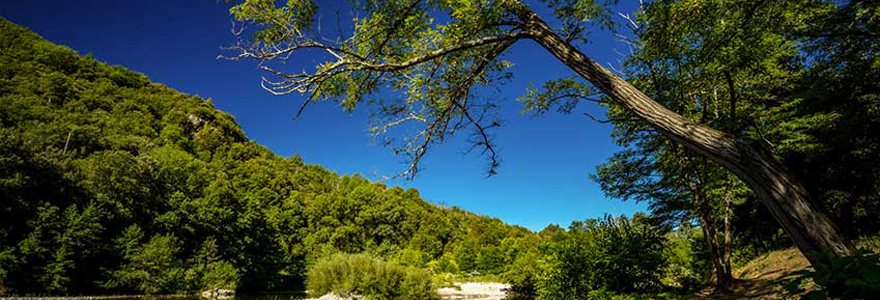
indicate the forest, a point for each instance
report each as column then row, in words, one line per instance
column 747, row 127
column 114, row 184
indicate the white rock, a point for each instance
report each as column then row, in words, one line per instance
column 218, row 294
column 332, row 296
column 475, row 290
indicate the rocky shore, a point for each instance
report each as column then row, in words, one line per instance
column 475, row 290
column 463, row 290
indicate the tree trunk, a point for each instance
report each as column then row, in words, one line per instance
column 727, row 237
column 812, row 231
column 721, row 274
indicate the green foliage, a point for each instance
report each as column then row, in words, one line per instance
column 444, row 264
column 564, row 94
column 613, row 255
column 438, row 55
column 608, row 258
column 220, row 275
column 524, row 274
column 112, row 184
column 369, row 277
column 153, row 267
column 686, row 270
column 799, row 77
column 852, row 277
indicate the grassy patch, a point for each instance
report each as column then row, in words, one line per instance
column 370, row 277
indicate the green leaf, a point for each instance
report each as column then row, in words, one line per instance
column 816, row 295
column 855, row 282
column 872, row 276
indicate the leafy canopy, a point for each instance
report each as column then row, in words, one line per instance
column 423, row 65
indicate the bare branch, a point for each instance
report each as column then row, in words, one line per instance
column 384, row 128
column 443, row 51
column 598, row 120
column 461, row 92
column 630, row 22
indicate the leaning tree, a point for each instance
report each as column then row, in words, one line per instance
column 435, row 53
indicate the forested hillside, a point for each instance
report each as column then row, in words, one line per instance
column 112, row 184
column 745, row 126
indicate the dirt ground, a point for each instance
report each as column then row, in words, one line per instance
column 758, row 279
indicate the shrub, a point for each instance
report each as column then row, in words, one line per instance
column 221, row 275
column 607, row 256
column 685, row 270
column 852, row 277
column 444, row 264
column 152, row 268
column 370, row 277
column 524, row 273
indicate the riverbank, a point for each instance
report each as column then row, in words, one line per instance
column 460, row 291
column 475, row 290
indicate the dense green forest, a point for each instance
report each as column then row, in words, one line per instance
column 113, row 184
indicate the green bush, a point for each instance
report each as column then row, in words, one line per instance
column 524, row 273
column 444, row 264
column 685, row 270
column 370, row 277
column 602, row 257
column 221, row 275
column 152, row 268
column 852, row 277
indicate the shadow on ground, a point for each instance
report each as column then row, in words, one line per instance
column 759, row 279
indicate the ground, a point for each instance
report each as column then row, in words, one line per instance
column 758, row 279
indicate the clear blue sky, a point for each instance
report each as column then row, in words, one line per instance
column 546, row 160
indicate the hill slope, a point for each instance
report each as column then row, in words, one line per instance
column 112, row 184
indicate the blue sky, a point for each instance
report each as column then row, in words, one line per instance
column 546, row 160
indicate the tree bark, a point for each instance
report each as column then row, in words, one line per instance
column 721, row 274
column 727, row 238
column 810, row 229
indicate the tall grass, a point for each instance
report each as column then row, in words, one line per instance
column 370, row 277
